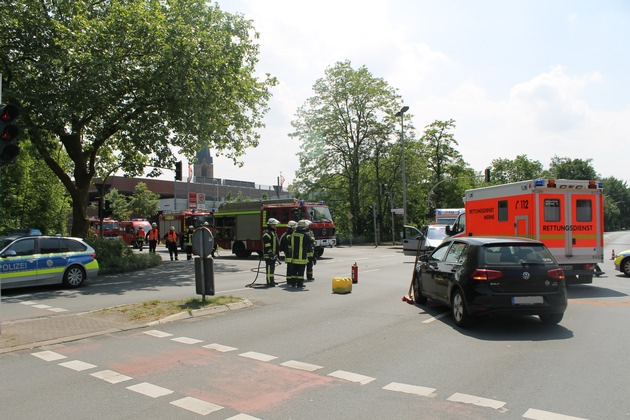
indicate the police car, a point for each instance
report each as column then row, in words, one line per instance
column 41, row 260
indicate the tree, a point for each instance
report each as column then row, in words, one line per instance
column 616, row 204
column 31, row 196
column 504, row 171
column 444, row 162
column 120, row 206
column 144, row 202
column 129, row 81
column 341, row 128
column 567, row 168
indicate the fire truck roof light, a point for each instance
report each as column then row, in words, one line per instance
column 301, row 202
column 539, row 183
column 322, row 203
column 551, row 183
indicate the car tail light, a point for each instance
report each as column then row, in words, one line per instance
column 93, row 255
column 589, row 267
column 482, row 274
column 556, row 273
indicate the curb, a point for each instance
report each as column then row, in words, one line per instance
column 200, row 312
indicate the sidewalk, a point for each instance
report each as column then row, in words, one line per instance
column 38, row 332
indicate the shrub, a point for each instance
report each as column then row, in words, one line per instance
column 114, row 256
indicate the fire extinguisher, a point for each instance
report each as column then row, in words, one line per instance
column 355, row 273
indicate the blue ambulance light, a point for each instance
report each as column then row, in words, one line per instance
column 539, row 183
column 301, row 202
column 322, row 203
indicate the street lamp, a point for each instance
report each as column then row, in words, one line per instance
column 401, row 114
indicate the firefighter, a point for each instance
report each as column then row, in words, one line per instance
column 140, row 235
column 311, row 261
column 301, row 253
column 171, row 242
column 188, row 240
column 270, row 250
column 153, row 237
column 286, row 249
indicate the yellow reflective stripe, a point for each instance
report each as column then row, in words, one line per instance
column 51, row 270
column 92, row 265
column 18, row 273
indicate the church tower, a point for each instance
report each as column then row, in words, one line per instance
column 203, row 168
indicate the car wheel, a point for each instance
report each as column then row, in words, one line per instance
column 625, row 267
column 74, row 276
column 418, row 297
column 458, row 308
column 551, row 319
column 319, row 252
column 240, row 251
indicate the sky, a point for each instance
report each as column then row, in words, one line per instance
column 541, row 78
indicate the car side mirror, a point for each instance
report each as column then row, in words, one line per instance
column 423, row 258
column 9, row 253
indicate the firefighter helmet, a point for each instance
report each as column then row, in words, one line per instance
column 172, row 227
column 154, row 224
column 292, row 224
column 272, row 221
column 301, row 224
column 191, row 227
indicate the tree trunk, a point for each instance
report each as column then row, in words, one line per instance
column 80, row 222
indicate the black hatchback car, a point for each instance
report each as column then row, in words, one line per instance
column 479, row 275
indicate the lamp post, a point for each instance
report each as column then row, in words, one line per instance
column 401, row 114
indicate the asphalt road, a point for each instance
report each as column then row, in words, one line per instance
column 312, row 354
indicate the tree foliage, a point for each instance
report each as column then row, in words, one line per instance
column 123, row 83
column 521, row 168
column 567, row 168
column 31, row 197
column 344, row 127
column 144, row 203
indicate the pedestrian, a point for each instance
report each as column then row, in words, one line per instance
column 270, row 250
column 285, row 242
column 311, row 261
column 171, row 240
column 140, row 235
column 188, row 240
column 153, row 237
column 301, row 253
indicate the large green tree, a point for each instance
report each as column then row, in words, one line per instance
column 342, row 128
column 129, row 81
column 521, row 168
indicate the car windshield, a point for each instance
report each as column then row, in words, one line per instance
column 436, row 232
column 319, row 214
column 510, row 254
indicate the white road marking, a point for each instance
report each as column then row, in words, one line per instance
column 219, row 347
column 197, row 406
column 352, row 377
column 158, row 334
column 186, row 340
column 58, row 310
column 150, row 390
column 77, row 365
column 28, row 302
column 258, row 356
column 301, row 366
column 242, row 416
column 474, row 400
column 111, row 376
column 435, row 318
column 40, row 306
column 411, row 389
column 534, row 414
column 49, row 356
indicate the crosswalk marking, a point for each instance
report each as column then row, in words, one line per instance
column 150, row 390
column 474, row 400
column 111, row 376
column 158, row 334
column 411, row 389
column 49, row 356
column 534, row 414
column 77, row 365
column 352, row 377
column 301, row 365
column 258, row 356
column 196, row 406
column 219, row 347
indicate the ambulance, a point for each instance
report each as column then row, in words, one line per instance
column 566, row 215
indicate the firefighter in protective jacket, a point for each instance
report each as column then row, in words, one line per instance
column 301, row 245
column 285, row 246
column 270, row 250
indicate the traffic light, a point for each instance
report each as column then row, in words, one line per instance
column 178, row 171
column 9, row 150
column 487, row 174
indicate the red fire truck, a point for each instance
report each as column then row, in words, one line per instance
column 110, row 227
column 566, row 215
column 181, row 219
column 239, row 225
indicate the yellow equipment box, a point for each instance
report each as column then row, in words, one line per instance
column 342, row 285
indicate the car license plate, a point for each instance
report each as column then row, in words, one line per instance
column 566, row 267
column 527, row 300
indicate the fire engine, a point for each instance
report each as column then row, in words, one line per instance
column 239, row 225
column 181, row 219
column 128, row 230
column 566, row 215
column 110, row 227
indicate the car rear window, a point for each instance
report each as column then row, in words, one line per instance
column 516, row 254
column 74, row 246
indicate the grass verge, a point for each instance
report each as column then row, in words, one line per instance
column 156, row 309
